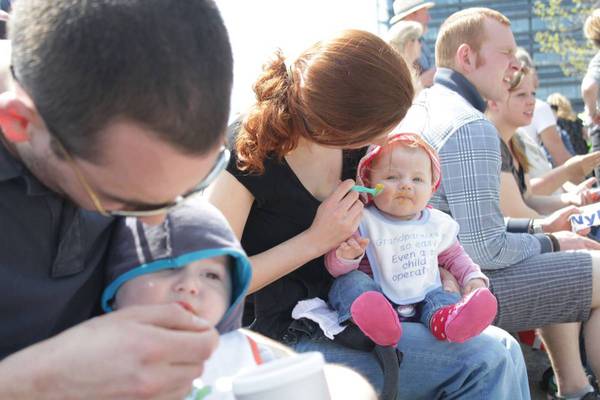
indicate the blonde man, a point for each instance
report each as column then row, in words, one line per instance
column 536, row 284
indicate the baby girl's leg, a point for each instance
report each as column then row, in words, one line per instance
column 376, row 318
column 465, row 319
column 346, row 289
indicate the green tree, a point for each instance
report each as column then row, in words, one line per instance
column 563, row 35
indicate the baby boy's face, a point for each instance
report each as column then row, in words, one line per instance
column 405, row 173
column 202, row 287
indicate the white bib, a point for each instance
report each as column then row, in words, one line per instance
column 232, row 356
column 404, row 254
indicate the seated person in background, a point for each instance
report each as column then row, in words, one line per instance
column 569, row 122
column 417, row 11
column 545, row 180
column 404, row 272
column 404, row 37
column 535, row 284
column 192, row 259
column 591, row 81
column 542, row 128
column 507, row 115
column 569, row 177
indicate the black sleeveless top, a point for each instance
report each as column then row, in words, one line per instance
column 575, row 131
column 508, row 165
column 282, row 209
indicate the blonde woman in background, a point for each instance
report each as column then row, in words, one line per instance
column 404, row 38
column 517, row 200
column 569, row 122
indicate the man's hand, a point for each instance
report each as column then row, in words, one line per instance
column 572, row 241
column 559, row 220
column 472, row 285
column 138, row 352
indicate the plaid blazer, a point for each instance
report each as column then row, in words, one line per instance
column 450, row 117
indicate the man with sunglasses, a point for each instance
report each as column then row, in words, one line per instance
column 118, row 108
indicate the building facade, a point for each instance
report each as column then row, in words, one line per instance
column 525, row 23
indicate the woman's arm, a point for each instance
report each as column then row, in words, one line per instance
column 589, row 93
column 233, row 199
column 550, row 182
column 547, row 204
column 511, row 202
column 574, row 170
column 337, row 218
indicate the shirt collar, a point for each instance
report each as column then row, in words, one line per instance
column 457, row 82
column 11, row 168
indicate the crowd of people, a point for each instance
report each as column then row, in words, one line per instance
column 397, row 209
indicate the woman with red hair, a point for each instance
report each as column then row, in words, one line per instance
column 287, row 194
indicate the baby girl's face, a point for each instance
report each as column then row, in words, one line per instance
column 202, row 287
column 405, row 173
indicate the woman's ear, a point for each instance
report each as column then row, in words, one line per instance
column 15, row 117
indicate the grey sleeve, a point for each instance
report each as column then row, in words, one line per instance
column 471, row 184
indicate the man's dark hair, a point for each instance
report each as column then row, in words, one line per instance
column 164, row 64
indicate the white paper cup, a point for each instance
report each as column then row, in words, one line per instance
column 299, row 377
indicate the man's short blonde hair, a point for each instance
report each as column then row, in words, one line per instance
column 463, row 27
column 591, row 27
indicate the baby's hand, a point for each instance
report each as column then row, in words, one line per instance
column 474, row 284
column 449, row 282
column 352, row 248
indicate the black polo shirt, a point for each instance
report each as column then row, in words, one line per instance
column 51, row 255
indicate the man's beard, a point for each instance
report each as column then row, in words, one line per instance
column 42, row 169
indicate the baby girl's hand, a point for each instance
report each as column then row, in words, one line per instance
column 473, row 284
column 449, row 282
column 352, row 248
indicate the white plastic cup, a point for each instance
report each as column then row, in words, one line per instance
column 299, row 377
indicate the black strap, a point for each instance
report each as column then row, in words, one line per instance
column 352, row 337
column 518, row 225
column 389, row 359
